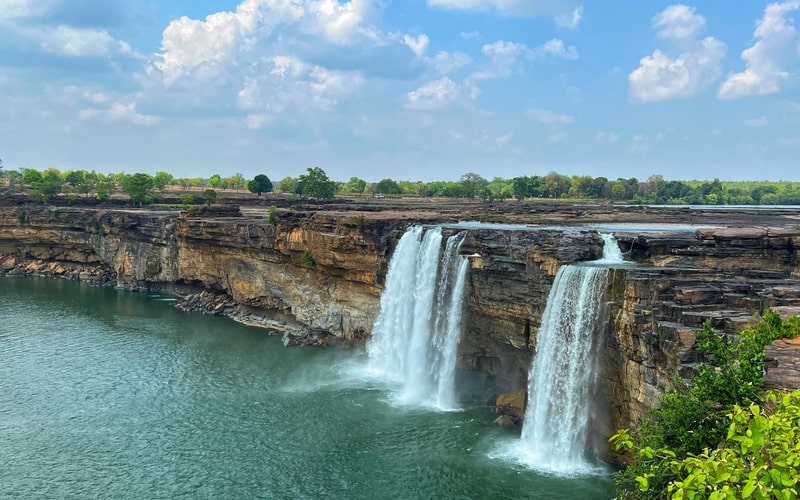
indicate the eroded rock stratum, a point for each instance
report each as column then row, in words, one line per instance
column 315, row 273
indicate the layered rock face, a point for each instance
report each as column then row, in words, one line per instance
column 316, row 273
column 678, row 281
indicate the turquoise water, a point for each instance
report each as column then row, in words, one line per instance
column 110, row 394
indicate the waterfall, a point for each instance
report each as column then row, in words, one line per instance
column 555, row 432
column 415, row 338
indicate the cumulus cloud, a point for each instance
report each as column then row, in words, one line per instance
column 37, row 22
column 776, row 44
column 696, row 66
column 549, row 117
column 556, row 48
column 418, row 45
column 293, row 84
column 679, row 22
column 564, row 11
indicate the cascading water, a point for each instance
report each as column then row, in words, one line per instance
column 555, row 429
column 416, row 335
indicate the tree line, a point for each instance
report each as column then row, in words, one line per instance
column 315, row 183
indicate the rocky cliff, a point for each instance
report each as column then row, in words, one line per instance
column 316, row 273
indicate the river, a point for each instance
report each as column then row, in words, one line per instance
column 106, row 393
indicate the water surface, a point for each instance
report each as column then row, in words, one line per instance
column 110, row 394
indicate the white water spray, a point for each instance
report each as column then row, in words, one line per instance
column 556, row 426
column 415, row 337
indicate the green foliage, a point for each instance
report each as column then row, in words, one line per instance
column 472, row 185
column 161, row 180
column 356, row 185
column 759, row 459
column 273, row 219
column 22, row 217
column 260, row 184
column 193, row 199
column 675, row 442
column 358, row 221
column 236, row 181
column 388, row 186
column 316, row 184
column 210, row 196
column 306, row 260
column 139, row 187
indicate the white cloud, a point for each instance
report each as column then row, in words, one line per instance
column 606, row 136
column 522, row 8
column 78, row 42
column 118, row 112
column 445, row 63
column 761, row 121
column 339, row 22
column 418, row 45
column 438, row 94
column 679, row 22
column 455, row 135
column 503, row 56
column 660, row 76
column 21, row 9
column 557, row 137
column 549, row 117
column 557, row 48
column 570, row 20
column 776, row 44
column 296, row 86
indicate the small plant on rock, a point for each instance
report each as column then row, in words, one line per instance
column 307, row 260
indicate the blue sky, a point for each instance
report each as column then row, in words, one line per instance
column 417, row 90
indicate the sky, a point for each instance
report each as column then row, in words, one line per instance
column 416, row 90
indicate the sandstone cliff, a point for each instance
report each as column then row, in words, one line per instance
column 316, row 273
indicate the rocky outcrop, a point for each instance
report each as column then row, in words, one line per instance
column 314, row 274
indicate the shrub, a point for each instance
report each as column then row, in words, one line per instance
column 358, row 221
column 695, row 418
column 307, row 260
column 271, row 213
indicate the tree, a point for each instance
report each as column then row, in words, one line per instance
column 388, row 186
column 260, row 184
column 618, row 191
column 161, row 180
column 138, row 186
column 236, row 181
column 316, row 184
column 288, row 185
column 105, row 186
column 472, row 185
column 210, row 196
column 215, row 181
column 356, row 185
column 31, row 177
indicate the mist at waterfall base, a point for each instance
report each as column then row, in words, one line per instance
column 561, row 383
column 415, row 338
column 106, row 393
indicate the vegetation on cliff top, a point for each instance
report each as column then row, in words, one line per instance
column 316, row 184
column 717, row 437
